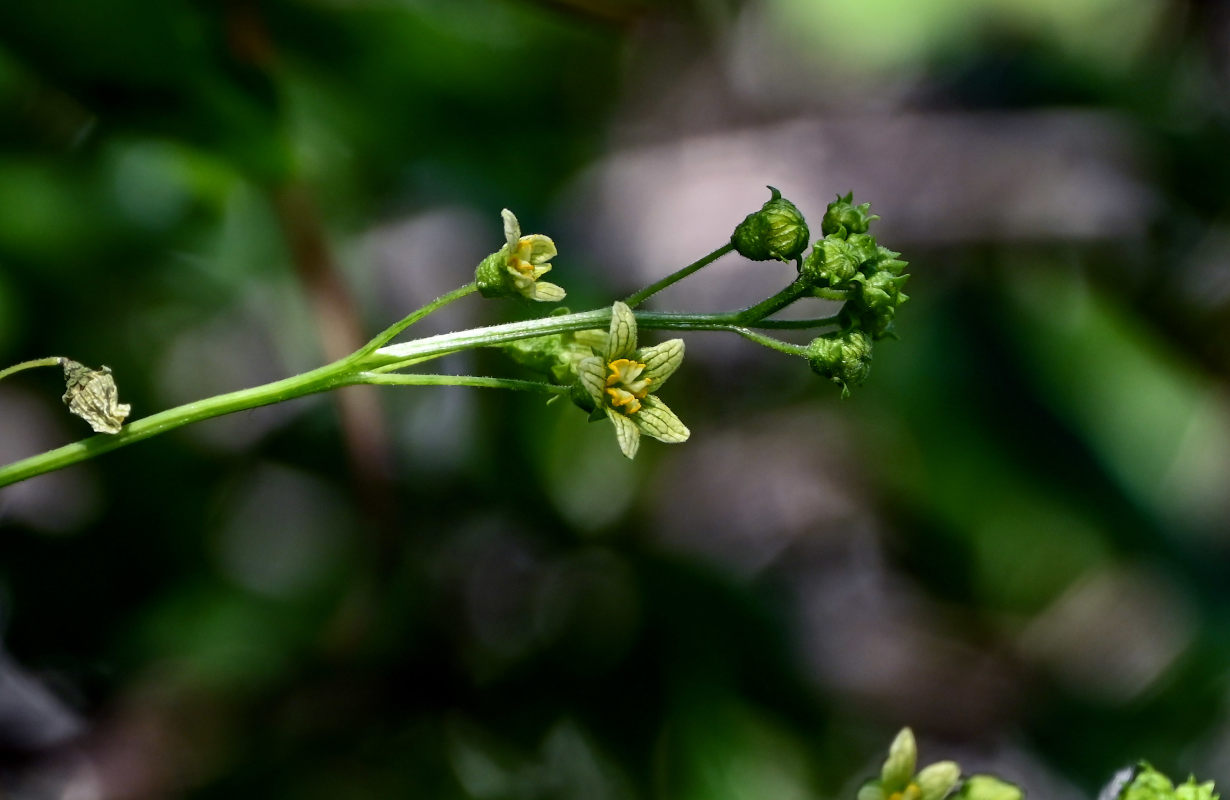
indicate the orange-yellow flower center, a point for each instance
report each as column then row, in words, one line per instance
column 625, row 386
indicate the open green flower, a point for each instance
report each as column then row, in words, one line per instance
column 517, row 266
column 619, row 382
column 898, row 781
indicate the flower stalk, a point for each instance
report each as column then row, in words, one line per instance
column 606, row 373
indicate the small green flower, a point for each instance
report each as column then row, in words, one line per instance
column 776, row 231
column 898, row 781
column 619, row 382
column 517, row 266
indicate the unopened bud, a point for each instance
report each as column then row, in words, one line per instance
column 845, row 359
column 843, row 217
column 831, row 262
column 776, row 231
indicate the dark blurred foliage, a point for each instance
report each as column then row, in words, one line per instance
column 1014, row 538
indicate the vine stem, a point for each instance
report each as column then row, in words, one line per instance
column 386, row 336
column 636, row 298
column 53, row 361
column 370, row 366
column 384, row 379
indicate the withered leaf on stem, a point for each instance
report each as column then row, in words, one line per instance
column 92, row 395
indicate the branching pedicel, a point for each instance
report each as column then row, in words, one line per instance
column 591, row 357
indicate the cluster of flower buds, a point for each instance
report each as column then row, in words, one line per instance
column 849, row 260
column 1143, row 782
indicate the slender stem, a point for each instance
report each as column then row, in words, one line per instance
column 773, row 304
column 771, row 343
column 635, row 299
column 370, row 364
column 403, row 354
column 386, row 336
column 796, row 324
column 318, row 380
column 383, row 379
column 53, row 361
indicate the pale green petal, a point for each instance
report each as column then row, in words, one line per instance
column 899, row 766
column 622, row 341
column 538, row 272
column 542, row 249
column 657, row 420
column 988, row 787
column 512, row 229
column 548, row 292
column 626, row 432
column 592, row 338
column 872, row 791
column 937, row 780
column 592, row 373
column 660, row 360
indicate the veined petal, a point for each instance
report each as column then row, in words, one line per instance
column 626, row 433
column 936, row 781
column 660, row 360
column 622, row 341
column 538, row 271
column 657, row 420
column 592, row 373
column 541, row 248
column 899, row 766
column 512, row 229
column 548, row 292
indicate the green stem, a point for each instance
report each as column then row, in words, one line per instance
column 53, row 361
column 318, row 380
column 386, row 336
column 773, row 304
column 382, row 379
column 796, row 324
column 375, row 362
column 635, row 299
column 404, row 354
column 771, row 343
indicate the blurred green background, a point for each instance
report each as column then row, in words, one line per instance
column 1014, row 538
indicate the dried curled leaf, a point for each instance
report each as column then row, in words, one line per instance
column 92, row 395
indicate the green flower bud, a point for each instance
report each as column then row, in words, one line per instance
column 988, row 787
column 936, row 781
column 843, row 217
column 1195, row 791
column 832, row 262
column 776, row 231
column 903, row 752
column 883, row 290
column 863, row 248
column 845, row 359
column 1149, row 784
column 886, row 261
